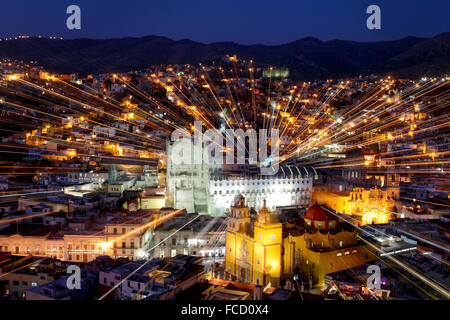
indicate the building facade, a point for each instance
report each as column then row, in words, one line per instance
column 375, row 205
column 205, row 188
column 264, row 251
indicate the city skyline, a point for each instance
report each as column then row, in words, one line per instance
column 150, row 169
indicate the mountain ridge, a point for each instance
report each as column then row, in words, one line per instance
column 307, row 58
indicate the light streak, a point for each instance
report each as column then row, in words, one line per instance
column 148, row 260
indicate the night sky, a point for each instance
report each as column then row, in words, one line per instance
column 242, row 21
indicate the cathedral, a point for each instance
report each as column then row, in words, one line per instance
column 267, row 249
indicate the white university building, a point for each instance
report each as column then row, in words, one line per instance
column 206, row 189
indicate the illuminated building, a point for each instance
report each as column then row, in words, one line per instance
column 205, row 189
column 265, row 251
column 288, row 188
column 367, row 206
column 187, row 183
column 276, row 73
column 327, row 245
column 78, row 245
column 253, row 248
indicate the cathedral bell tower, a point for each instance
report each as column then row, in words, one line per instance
column 240, row 215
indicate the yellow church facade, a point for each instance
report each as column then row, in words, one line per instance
column 264, row 252
column 374, row 205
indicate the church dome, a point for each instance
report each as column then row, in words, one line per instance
column 318, row 213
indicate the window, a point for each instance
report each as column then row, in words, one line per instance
column 34, row 284
column 173, row 253
column 17, row 249
column 15, row 283
column 124, row 245
column 25, row 283
column 341, row 244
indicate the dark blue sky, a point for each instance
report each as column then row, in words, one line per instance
column 242, row 21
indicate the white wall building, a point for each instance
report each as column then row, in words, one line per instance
column 206, row 189
column 278, row 191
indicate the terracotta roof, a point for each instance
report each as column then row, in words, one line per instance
column 317, row 212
